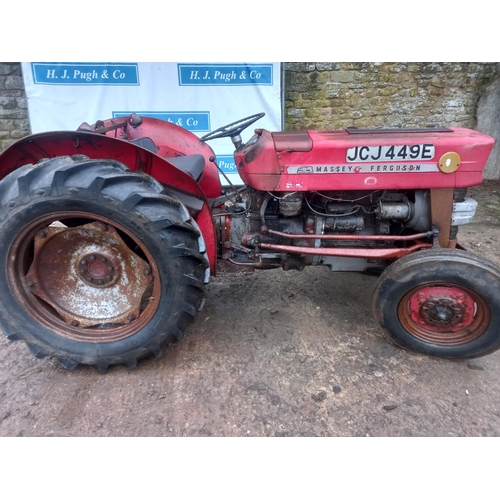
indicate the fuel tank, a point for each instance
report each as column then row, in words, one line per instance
column 364, row 159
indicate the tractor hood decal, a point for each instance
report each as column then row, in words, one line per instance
column 357, row 169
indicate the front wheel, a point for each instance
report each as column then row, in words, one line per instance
column 441, row 302
column 98, row 266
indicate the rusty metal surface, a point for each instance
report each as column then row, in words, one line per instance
column 293, row 140
column 99, row 127
column 441, row 209
column 98, row 146
column 83, row 282
column 444, row 315
column 88, row 275
column 225, row 233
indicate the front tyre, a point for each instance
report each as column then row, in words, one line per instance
column 97, row 265
column 441, row 302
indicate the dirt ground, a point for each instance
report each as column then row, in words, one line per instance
column 272, row 354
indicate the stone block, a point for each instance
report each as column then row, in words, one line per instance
column 342, row 76
column 5, row 143
column 14, row 82
column 292, row 66
column 438, row 81
column 16, row 114
column 22, row 102
column 6, row 68
column 8, row 103
column 295, row 112
column 7, row 124
column 19, row 133
column 327, row 66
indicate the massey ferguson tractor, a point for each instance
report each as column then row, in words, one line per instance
column 109, row 234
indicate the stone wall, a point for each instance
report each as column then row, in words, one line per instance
column 14, row 122
column 488, row 122
column 337, row 95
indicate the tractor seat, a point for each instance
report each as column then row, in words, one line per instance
column 145, row 142
column 191, row 164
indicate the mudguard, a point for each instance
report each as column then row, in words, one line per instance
column 181, row 142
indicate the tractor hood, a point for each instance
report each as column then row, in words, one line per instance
column 361, row 159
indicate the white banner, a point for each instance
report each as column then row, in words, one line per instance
column 197, row 96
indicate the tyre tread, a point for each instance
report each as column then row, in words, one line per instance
column 408, row 269
column 137, row 193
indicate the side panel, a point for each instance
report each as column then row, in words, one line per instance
column 47, row 145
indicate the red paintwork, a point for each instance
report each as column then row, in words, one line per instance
column 453, row 294
column 365, row 253
column 264, row 164
column 350, row 237
column 171, row 140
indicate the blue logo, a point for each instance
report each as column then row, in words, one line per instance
column 85, row 74
column 227, row 164
column 225, row 74
column 195, row 121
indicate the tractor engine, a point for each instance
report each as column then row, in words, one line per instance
column 270, row 230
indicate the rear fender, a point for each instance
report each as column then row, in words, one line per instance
column 33, row 148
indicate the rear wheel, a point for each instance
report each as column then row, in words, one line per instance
column 441, row 302
column 98, row 266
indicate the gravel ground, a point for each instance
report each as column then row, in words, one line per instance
column 272, row 354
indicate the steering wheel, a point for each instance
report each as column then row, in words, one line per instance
column 232, row 129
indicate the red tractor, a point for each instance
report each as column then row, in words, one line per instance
column 110, row 233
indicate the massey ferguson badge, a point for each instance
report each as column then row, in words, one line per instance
column 357, row 169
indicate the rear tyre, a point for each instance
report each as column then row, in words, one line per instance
column 441, row 302
column 97, row 265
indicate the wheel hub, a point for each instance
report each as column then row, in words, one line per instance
column 96, row 269
column 442, row 312
column 88, row 274
column 445, row 308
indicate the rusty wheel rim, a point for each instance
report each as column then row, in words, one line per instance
column 444, row 314
column 84, row 277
